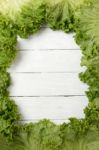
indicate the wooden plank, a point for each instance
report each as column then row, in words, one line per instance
column 47, row 61
column 47, row 39
column 40, row 79
column 59, row 108
column 46, row 84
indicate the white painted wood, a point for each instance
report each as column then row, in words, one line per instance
column 46, row 84
column 47, row 39
column 45, row 70
column 48, row 61
column 60, row 108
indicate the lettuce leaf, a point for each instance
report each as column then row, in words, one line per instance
column 10, row 8
column 60, row 13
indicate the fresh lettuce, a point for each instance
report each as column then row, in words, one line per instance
column 23, row 18
column 60, row 14
column 87, row 36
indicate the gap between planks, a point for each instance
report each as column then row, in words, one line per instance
column 49, row 96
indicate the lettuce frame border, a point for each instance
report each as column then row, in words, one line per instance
column 25, row 23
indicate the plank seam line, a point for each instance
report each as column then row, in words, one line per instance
column 48, row 49
column 41, row 119
column 44, row 72
column 48, row 96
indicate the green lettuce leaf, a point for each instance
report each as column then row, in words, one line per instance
column 60, row 14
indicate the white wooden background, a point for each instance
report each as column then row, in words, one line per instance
column 45, row 81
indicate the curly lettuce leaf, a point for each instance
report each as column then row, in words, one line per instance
column 11, row 7
column 8, row 42
column 43, row 135
column 87, row 31
column 9, row 115
column 31, row 18
column 88, row 142
column 87, row 36
column 89, row 22
column 60, row 14
column 26, row 15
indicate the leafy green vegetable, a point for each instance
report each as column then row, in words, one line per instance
column 87, row 36
column 10, row 8
column 9, row 115
column 43, row 135
column 8, row 41
column 31, row 18
column 23, row 18
column 60, row 14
